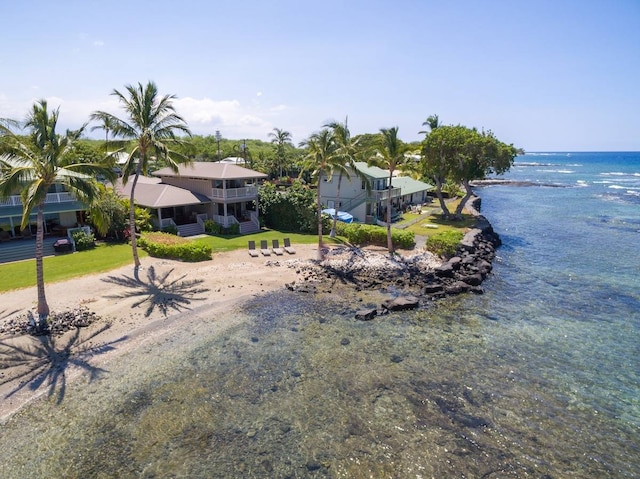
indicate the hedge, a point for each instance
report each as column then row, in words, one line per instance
column 361, row 234
column 444, row 243
column 165, row 245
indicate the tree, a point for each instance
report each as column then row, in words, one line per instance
column 108, row 213
column 32, row 164
column 281, row 139
column 390, row 155
column 107, row 125
column 321, row 159
column 346, row 151
column 432, row 121
column 152, row 125
column 462, row 154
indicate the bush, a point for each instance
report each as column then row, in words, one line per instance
column 83, row 240
column 164, row 245
column 444, row 243
column 212, row 227
column 359, row 234
column 171, row 229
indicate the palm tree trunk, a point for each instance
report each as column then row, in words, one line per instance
column 389, row 242
column 132, row 217
column 319, row 206
column 335, row 217
column 43, row 307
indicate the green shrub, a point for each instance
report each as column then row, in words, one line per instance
column 83, row 240
column 444, row 243
column 360, row 234
column 164, row 245
column 234, row 229
column 212, row 227
column 171, row 229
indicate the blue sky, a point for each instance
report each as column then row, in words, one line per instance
column 544, row 75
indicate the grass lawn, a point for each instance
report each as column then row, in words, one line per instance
column 220, row 244
column 106, row 257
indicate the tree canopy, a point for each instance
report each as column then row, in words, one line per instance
column 463, row 154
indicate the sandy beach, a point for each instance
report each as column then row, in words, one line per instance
column 171, row 292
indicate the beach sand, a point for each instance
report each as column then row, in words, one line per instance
column 139, row 314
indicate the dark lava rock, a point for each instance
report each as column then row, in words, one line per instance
column 401, row 303
column 396, row 358
column 473, row 280
column 366, row 314
column 345, row 341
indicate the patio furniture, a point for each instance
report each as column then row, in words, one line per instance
column 253, row 252
column 264, row 248
column 63, row 245
column 287, row 246
column 276, row 248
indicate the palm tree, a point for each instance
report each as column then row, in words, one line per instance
column 32, row 164
column 107, row 125
column 320, row 159
column 346, row 152
column 390, row 155
column 280, row 138
column 151, row 126
column 432, row 121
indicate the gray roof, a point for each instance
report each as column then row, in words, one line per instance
column 159, row 195
column 211, row 171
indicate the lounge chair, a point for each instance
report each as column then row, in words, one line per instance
column 264, row 248
column 253, row 252
column 276, row 248
column 287, row 246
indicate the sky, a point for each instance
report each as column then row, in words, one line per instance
column 544, row 75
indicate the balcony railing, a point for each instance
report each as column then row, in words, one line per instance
column 234, row 193
column 382, row 195
column 15, row 200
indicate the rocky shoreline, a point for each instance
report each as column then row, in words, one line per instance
column 411, row 280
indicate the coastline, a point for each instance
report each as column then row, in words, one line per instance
column 172, row 294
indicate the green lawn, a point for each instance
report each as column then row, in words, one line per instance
column 106, row 257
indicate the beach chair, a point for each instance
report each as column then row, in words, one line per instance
column 253, row 252
column 287, row 246
column 264, row 248
column 276, row 248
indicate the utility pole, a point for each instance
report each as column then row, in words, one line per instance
column 218, row 136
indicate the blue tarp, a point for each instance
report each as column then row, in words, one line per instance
column 342, row 215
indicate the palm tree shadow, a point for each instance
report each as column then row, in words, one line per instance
column 159, row 291
column 46, row 360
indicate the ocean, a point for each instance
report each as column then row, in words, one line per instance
column 538, row 377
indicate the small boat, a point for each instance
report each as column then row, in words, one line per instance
column 341, row 215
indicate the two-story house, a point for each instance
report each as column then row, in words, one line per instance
column 368, row 205
column 223, row 192
column 61, row 211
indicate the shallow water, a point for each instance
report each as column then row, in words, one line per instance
column 539, row 377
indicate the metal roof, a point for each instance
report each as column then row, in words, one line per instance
column 409, row 186
column 371, row 171
column 159, row 195
column 211, row 171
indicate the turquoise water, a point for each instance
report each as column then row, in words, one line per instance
column 539, row 377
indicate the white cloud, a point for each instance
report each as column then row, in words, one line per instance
column 98, row 43
column 233, row 119
column 259, row 93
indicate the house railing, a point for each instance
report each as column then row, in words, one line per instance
column 233, row 193
column 15, row 200
column 225, row 221
column 201, row 218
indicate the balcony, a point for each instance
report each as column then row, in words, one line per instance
column 246, row 192
column 382, row 195
column 52, row 198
